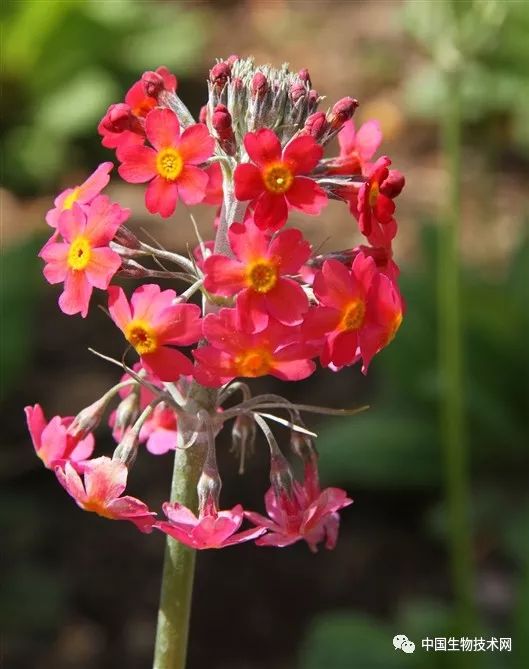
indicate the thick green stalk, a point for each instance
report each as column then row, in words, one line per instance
column 453, row 432
column 178, row 569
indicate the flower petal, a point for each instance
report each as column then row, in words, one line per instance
column 302, row 154
column 138, row 163
column 76, row 295
column 224, row 276
column 167, row 363
column 263, row 146
column 161, row 197
column 118, row 307
column 192, row 184
column 307, row 196
column 196, row 144
column 105, row 479
column 287, row 302
column 248, row 182
column 271, row 211
column 104, row 263
column 162, row 128
column 291, row 250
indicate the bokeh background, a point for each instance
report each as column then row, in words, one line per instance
column 79, row 592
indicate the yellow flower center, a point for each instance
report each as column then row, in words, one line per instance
column 142, row 336
column 79, row 253
column 353, row 315
column 277, row 178
column 70, row 199
column 169, row 163
column 395, row 325
column 373, row 193
column 98, row 507
column 261, row 276
column 256, row 362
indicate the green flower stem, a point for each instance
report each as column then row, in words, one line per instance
column 453, row 433
column 179, row 563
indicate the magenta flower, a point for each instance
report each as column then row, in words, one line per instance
column 361, row 311
column 51, row 440
column 83, row 194
column 152, row 323
column 275, row 181
column 213, row 529
column 277, row 350
column 306, row 513
column 171, row 166
column 83, row 260
column 100, row 491
column 257, row 275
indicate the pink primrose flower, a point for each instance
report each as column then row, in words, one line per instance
column 171, row 166
column 257, row 275
column 305, row 513
column 212, row 529
column 51, row 440
column 83, row 260
column 277, row 350
column 274, row 181
column 361, row 311
column 152, row 323
column 357, row 147
column 83, row 194
column 100, row 491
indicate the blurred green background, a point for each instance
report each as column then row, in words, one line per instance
column 437, row 542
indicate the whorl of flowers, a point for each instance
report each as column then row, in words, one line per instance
column 269, row 305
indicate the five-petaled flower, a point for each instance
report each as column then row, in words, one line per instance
column 53, row 444
column 275, row 182
column 277, row 350
column 304, row 512
column 152, row 323
column 171, row 166
column 101, row 491
column 83, row 194
column 361, row 311
column 257, row 275
column 212, row 528
column 83, row 260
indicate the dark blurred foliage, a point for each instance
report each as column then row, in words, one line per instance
column 81, row 593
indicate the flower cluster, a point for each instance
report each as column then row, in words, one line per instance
column 269, row 304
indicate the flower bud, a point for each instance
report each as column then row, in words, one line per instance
column 304, row 76
column 127, row 449
column 342, row 111
column 316, row 125
column 243, row 437
column 393, row 184
column 280, row 473
column 203, row 114
column 296, row 92
column 209, row 487
column 119, row 118
column 127, row 412
column 259, row 84
column 302, row 445
column 231, row 60
column 314, row 98
column 219, row 74
column 125, row 237
column 221, row 122
column 153, row 84
column 88, row 419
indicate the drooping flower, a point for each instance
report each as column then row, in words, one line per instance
column 101, row 490
column 361, row 308
column 304, row 512
column 51, row 440
column 277, row 350
column 257, row 275
column 83, row 260
column 83, row 194
column 123, row 123
column 374, row 206
column 274, row 181
column 152, row 324
column 212, row 529
column 357, row 147
column 171, row 166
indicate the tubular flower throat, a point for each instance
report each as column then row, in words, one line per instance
column 70, row 199
column 79, row 253
column 256, row 362
column 353, row 316
column 142, row 336
column 262, row 276
column 169, row 163
column 278, row 178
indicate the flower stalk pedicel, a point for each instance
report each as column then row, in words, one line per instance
column 270, row 306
